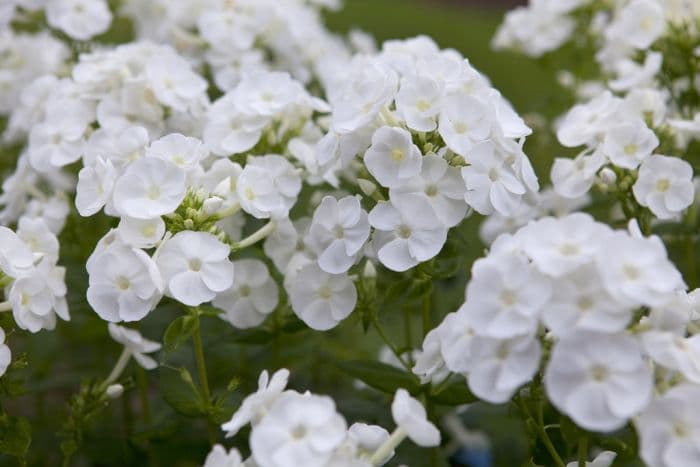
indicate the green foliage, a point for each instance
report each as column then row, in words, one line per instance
column 15, row 437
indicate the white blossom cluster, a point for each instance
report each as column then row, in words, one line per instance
column 569, row 290
column 291, row 429
column 623, row 116
column 237, row 38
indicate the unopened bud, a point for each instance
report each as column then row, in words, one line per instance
column 607, row 176
column 114, row 391
column 369, row 271
column 189, row 224
column 212, row 205
column 366, row 186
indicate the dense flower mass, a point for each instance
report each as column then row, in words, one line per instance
column 235, row 177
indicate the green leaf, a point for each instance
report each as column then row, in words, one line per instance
column 15, row 436
column 179, row 392
column 179, row 331
column 380, row 376
column 454, row 394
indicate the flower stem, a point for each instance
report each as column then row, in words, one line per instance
column 388, row 447
column 255, row 237
column 391, row 345
column 229, row 211
column 545, row 437
column 118, row 368
column 582, row 451
column 427, row 299
column 203, row 378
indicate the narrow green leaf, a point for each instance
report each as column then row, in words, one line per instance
column 179, row 331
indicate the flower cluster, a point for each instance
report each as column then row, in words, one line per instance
column 290, row 429
column 633, row 114
column 570, row 290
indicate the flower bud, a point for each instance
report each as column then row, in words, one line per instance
column 212, row 205
column 114, row 391
column 607, row 176
column 366, row 186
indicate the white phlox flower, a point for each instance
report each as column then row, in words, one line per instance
column 134, row 343
column 195, row 267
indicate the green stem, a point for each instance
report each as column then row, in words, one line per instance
column 117, row 370
column 255, row 237
column 391, row 345
column 427, row 302
column 582, row 451
column 229, row 211
column 545, row 437
column 407, row 328
column 203, row 379
column 690, row 257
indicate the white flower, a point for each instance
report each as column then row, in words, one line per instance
column 506, row 296
column 299, row 429
column 669, row 429
column 604, row 459
column 228, row 131
column 141, row 233
column 580, row 302
column 418, row 102
column 629, row 144
column 5, row 353
column 499, row 366
column 173, row 82
column 598, row 392
column 636, row 271
column 407, row 232
column 560, row 245
column 665, row 186
column 674, row 352
column 320, row 299
column 464, row 122
column 268, row 186
column 137, row 345
column 392, row 158
column 411, row 417
column 80, row 19
column 183, row 151
column 572, row 178
column 255, row 406
column 441, row 185
column 124, row 283
column 195, row 267
column 148, row 188
column 367, row 85
column 35, row 233
column 429, row 363
column 491, row 182
column 218, row 457
column 15, row 256
column 585, row 122
column 95, row 186
column 338, row 231
column 252, row 296
column 639, row 23
column 38, row 297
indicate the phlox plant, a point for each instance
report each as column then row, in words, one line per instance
column 231, row 237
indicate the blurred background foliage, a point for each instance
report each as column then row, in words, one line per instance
column 159, row 421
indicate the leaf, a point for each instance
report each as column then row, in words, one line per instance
column 380, row 376
column 454, row 394
column 179, row 331
column 15, row 436
column 179, row 392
